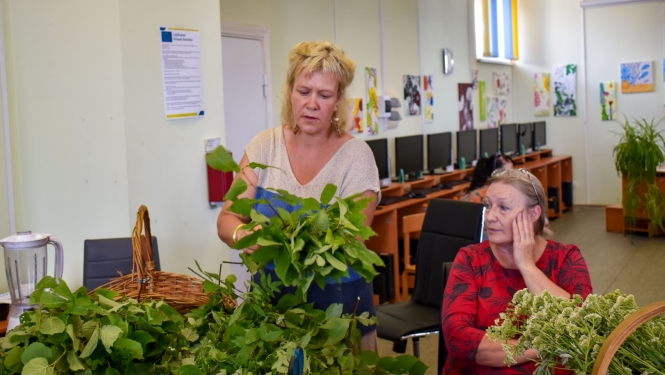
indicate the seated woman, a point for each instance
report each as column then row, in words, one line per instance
column 483, row 171
column 485, row 276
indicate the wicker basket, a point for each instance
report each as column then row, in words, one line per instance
column 183, row 292
column 621, row 333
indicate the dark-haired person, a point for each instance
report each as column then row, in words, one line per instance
column 483, row 171
column 485, row 276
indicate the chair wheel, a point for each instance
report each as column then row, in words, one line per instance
column 399, row 346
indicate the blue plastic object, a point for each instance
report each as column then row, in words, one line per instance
column 297, row 364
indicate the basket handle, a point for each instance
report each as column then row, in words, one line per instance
column 142, row 222
column 621, row 333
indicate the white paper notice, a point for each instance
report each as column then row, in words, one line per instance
column 181, row 71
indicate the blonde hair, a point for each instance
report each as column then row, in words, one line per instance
column 322, row 57
column 523, row 183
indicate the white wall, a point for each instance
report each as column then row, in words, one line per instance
column 616, row 35
column 551, row 34
column 4, row 198
column 89, row 132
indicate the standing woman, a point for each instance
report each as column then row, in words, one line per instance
column 485, row 276
column 310, row 150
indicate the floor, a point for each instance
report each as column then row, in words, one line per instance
column 632, row 264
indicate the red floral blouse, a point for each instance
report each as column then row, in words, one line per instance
column 479, row 288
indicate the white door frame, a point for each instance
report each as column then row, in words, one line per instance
column 261, row 34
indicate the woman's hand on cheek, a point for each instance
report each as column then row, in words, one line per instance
column 524, row 241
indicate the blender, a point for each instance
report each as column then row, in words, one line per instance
column 26, row 260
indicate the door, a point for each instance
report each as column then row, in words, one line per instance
column 245, row 105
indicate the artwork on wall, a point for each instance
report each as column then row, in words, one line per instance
column 637, row 77
column 475, row 79
column 565, row 80
column 541, row 94
column 465, row 106
column 429, row 98
column 356, row 124
column 372, row 106
column 481, row 96
column 412, row 94
column 496, row 111
column 501, row 83
column 608, row 101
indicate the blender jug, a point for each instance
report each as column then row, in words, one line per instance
column 26, row 260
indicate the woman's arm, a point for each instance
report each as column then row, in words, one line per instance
column 371, row 207
column 227, row 222
column 525, row 244
column 491, row 353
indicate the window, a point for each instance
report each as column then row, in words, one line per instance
column 496, row 30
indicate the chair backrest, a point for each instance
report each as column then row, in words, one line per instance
column 443, row 350
column 449, row 226
column 411, row 224
column 104, row 258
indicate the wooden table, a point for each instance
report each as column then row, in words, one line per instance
column 552, row 171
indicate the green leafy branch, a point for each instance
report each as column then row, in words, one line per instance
column 319, row 239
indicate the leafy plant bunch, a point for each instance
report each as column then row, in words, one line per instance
column 260, row 338
column 73, row 332
column 569, row 332
column 317, row 240
column 636, row 157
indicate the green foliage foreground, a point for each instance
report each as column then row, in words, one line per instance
column 74, row 333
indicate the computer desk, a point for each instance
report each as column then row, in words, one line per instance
column 387, row 223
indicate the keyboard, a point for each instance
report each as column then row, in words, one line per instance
column 450, row 184
column 427, row 190
column 391, row 200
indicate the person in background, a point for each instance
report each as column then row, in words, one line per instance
column 309, row 150
column 484, row 277
column 483, row 171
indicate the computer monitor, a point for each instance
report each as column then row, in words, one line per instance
column 539, row 134
column 489, row 142
column 409, row 155
column 467, row 146
column 439, row 151
column 380, row 150
column 509, row 139
column 525, row 138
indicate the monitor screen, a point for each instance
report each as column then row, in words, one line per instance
column 489, row 142
column 467, row 145
column 539, row 134
column 525, row 137
column 409, row 155
column 439, row 150
column 509, row 139
column 380, row 150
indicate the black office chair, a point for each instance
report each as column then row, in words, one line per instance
column 449, row 225
column 443, row 350
column 104, row 258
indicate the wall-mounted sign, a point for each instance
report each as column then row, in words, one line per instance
column 181, row 72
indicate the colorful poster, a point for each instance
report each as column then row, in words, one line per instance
column 608, row 101
column 372, row 102
column 501, row 83
column 541, row 94
column 429, row 98
column 356, row 124
column 565, row 90
column 481, row 95
column 465, row 105
column 496, row 112
column 412, row 95
column 637, row 77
